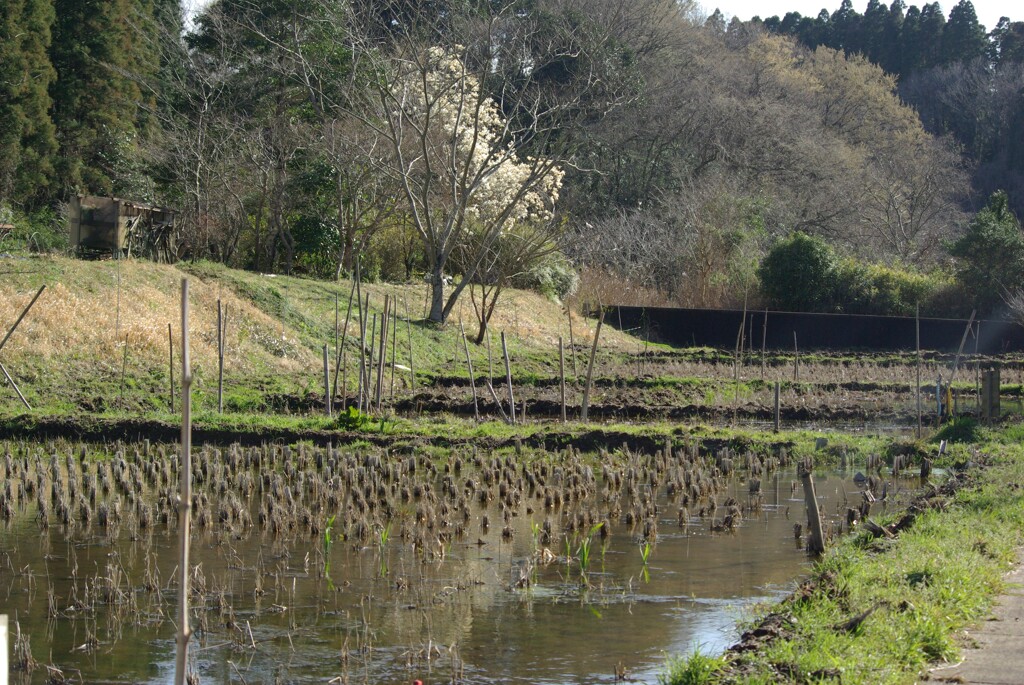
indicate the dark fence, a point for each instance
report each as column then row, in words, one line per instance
column 720, row 327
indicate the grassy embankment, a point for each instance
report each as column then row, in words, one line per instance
column 887, row 609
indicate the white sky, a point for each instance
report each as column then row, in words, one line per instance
column 989, row 11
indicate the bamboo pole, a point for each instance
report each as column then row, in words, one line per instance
column 185, row 495
column 777, row 407
column 764, row 340
column 367, row 384
column 469, row 365
column 327, row 383
column 796, row 360
column 382, row 355
column 590, row 368
column 917, row 322
column 394, row 345
column 220, row 358
column 170, row 366
column 561, row 375
column 21, row 317
column 572, row 345
column 362, row 351
column 408, row 327
column 508, row 379
column 124, row 365
column 15, row 386
column 490, row 362
column 339, row 360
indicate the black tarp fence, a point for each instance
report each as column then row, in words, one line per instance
column 719, row 328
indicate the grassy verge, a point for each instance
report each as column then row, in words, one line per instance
column 882, row 610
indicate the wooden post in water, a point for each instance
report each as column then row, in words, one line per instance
column 561, row 374
column 508, row 379
column 327, row 383
column 816, row 542
column 590, row 368
column 776, row 414
column 184, row 497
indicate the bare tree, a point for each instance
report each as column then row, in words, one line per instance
column 478, row 130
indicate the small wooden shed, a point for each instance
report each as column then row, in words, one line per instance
column 106, row 225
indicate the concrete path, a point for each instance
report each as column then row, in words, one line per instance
column 998, row 658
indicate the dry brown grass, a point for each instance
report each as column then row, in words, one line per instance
column 84, row 323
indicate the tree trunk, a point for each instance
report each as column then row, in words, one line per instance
column 437, row 293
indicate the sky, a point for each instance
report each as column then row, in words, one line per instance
column 989, row 11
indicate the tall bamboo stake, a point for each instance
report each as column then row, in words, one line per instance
column 572, row 345
column 394, row 345
column 469, row 365
column 382, row 355
column 590, row 368
column 508, row 379
column 764, row 340
column 367, row 384
column 185, row 494
column 170, row 358
column 220, row 358
column 362, row 350
column 339, row 360
column 327, row 383
column 21, row 317
column 408, row 327
column 117, row 320
column 561, row 375
column 796, row 360
column 490, row 363
column 14, row 385
column 124, row 364
column 917, row 322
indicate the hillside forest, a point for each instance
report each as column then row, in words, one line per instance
column 617, row 151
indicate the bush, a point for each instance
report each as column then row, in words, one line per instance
column 555, row 278
column 798, row 274
column 802, row 273
column 887, row 290
column 40, row 231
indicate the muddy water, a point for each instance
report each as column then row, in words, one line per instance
column 485, row 609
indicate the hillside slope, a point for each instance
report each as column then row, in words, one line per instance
column 98, row 320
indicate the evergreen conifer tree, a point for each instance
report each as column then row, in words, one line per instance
column 27, row 143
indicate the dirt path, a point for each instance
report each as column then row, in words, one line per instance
column 997, row 658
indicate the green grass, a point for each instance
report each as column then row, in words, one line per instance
column 696, row 669
column 935, row 578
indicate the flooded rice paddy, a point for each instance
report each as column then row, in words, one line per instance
column 315, row 565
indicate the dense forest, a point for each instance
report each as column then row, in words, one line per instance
column 626, row 151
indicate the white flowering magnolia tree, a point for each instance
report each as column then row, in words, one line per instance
column 459, row 164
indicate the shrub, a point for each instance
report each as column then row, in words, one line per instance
column 798, row 274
